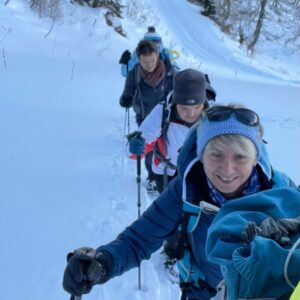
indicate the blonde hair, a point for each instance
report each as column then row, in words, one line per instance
column 239, row 144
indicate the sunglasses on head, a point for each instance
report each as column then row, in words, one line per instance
column 243, row 115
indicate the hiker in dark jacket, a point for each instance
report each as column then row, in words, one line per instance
column 223, row 158
column 147, row 84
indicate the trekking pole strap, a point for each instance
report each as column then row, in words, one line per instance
column 287, row 261
column 161, row 157
column 183, row 236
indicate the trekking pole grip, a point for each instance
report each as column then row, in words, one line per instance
column 73, row 297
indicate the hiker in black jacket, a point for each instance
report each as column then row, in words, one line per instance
column 147, row 84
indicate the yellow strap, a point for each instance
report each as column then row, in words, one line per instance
column 175, row 54
column 296, row 294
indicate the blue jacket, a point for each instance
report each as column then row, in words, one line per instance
column 162, row 218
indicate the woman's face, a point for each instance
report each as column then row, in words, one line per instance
column 227, row 170
column 189, row 113
column 149, row 62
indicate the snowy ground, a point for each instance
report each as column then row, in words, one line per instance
column 64, row 179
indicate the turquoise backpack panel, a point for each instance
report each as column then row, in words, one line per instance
column 188, row 272
column 255, row 270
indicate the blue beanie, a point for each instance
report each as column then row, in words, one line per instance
column 152, row 36
column 211, row 129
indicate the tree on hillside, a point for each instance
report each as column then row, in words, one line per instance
column 208, row 6
column 114, row 11
column 258, row 26
column 250, row 21
column 47, row 8
column 288, row 16
column 114, row 6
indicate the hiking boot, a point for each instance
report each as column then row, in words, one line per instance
column 169, row 262
column 151, row 186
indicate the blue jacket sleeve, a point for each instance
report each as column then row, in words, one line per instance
column 146, row 235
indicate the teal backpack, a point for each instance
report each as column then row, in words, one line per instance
column 255, row 241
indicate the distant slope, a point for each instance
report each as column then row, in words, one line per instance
column 198, row 36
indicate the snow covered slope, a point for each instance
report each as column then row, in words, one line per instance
column 64, row 179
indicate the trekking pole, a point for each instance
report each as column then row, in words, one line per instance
column 138, row 180
column 128, row 120
column 125, row 128
column 75, row 297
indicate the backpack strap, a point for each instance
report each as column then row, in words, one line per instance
column 185, row 227
column 165, row 121
column 197, row 278
column 182, row 241
column 164, row 56
column 138, row 93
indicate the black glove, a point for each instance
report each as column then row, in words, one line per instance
column 278, row 231
column 125, row 57
column 85, row 268
column 126, row 101
column 250, row 232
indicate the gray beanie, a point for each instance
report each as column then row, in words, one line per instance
column 189, row 87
